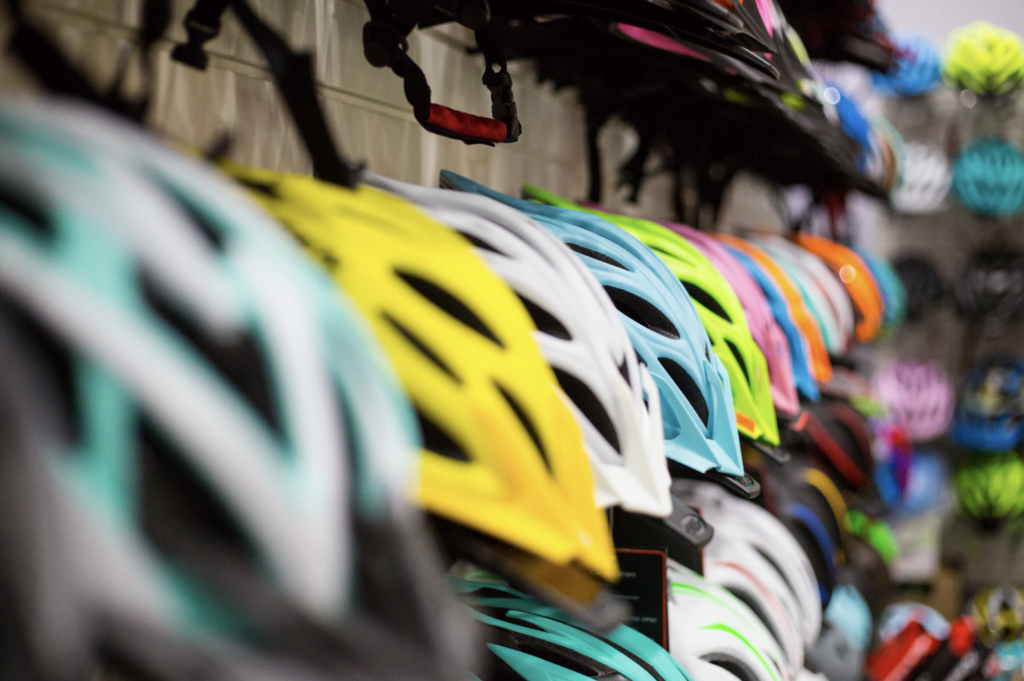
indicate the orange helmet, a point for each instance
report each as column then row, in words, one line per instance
column 819, row 355
column 855, row 275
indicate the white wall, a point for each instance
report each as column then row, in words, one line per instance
column 936, row 18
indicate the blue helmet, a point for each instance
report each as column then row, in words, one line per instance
column 990, row 416
column 988, row 178
column 798, row 352
column 853, row 122
column 697, row 411
column 849, row 612
column 916, row 71
column 534, row 642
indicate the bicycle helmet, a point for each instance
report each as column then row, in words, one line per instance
column 918, row 393
column 984, row 58
column 529, row 641
column 778, row 306
column 697, row 414
column 868, row 572
column 763, row 328
column 835, row 656
column 896, row 617
column 849, row 613
column 894, row 295
column 924, row 287
column 815, row 283
column 926, row 179
column 988, row 178
column 802, row 317
column 503, row 468
column 916, row 71
column 877, row 533
column 719, row 311
column 990, row 487
column 990, row 416
column 741, row 521
column 836, row 438
column 902, row 653
column 203, row 455
column 579, row 333
column 708, row 622
column 998, row 614
column 750, row 577
column 990, row 291
column 855, row 275
column 928, row 472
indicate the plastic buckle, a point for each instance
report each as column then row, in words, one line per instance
column 383, row 45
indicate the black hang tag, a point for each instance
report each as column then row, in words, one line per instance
column 644, row 587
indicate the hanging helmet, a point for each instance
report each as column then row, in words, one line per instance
column 503, row 467
column 984, row 58
column 990, row 416
column 849, row 613
column 202, row 445
column 579, row 333
column 720, row 313
column 988, row 178
column 916, row 71
column 896, row 617
column 750, row 577
column 901, row 653
column 998, row 614
column 868, row 572
column 894, row 295
column 802, row 316
column 857, row 127
column 763, row 327
column 926, row 179
column 742, row 521
column 855, row 275
column 530, row 641
column 918, row 393
column 835, row 656
column 990, row 291
column 796, row 342
column 836, row 437
column 990, row 487
column 708, row 622
column 697, row 414
column 824, row 293
column 890, row 148
column 928, row 472
column 924, row 287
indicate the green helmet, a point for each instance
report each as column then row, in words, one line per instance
column 990, row 487
column 984, row 58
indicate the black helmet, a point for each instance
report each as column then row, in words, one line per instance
column 924, row 286
column 991, row 288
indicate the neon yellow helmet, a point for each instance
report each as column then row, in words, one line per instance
column 984, row 58
column 503, row 465
column 719, row 310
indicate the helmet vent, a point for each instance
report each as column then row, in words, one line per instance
column 642, row 312
column 450, row 304
column 590, row 253
column 527, row 423
column 731, row 665
column 29, row 214
column 688, row 387
column 705, row 299
column 752, row 603
column 237, row 358
column 200, row 221
column 566, row 658
column 739, row 359
column 480, row 243
column 545, row 321
column 586, row 401
column 418, row 343
column 436, row 440
column 776, row 567
column 179, row 511
column 624, row 371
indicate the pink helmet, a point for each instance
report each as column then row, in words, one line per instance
column 766, row 331
column 917, row 393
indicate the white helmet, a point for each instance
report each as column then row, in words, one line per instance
column 926, row 179
column 737, row 566
column 740, row 520
column 708, row 622
column 580, row 334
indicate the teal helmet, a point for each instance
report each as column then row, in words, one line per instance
column 990, row 487
column 204, row 458
column 530, row 641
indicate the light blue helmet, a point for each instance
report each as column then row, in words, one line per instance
column 798, row 351
column 663, row 326
column 534, row 642
column 894, row 294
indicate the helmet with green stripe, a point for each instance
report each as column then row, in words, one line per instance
column 527, row 640
column 708, row 622
column 204, row 456
column 720, row 312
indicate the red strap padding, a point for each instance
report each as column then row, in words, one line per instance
column 464, row 126
column 855, row 422
column 835, row 454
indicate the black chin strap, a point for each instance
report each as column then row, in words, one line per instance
column 293, row 75
column 48, row 64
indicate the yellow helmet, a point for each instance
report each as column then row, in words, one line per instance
column 503, row 456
